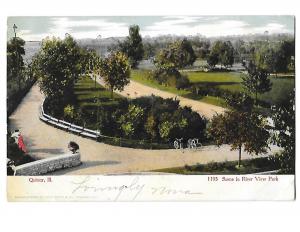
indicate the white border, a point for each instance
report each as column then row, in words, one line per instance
column 212, row 216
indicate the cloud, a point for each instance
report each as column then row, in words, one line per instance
column 102, row 26
column 208, row 26
column 214, row 27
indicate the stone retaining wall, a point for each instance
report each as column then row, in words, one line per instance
column 47, row 165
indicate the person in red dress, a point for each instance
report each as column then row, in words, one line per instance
column 21, row 144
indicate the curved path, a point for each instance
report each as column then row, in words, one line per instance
column 135, row 89
column 44, row 141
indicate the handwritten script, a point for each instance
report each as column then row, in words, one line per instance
column 134, row 189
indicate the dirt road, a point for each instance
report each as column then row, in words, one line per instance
column 135, row 89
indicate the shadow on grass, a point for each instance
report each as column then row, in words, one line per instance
column 214, row 84
column 82, row 89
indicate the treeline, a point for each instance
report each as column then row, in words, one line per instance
column 19, row 75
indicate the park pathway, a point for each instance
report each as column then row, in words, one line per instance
column 135, row 89
column 44, row 141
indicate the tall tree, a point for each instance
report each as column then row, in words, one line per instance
column 57, row 67
column 115, row 71
column 15, row 63
column 133, row 46
column 240, row 129
column 256, row 81
column 284, row 125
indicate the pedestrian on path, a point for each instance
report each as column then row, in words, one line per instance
column 21, row 144
column 19, row 140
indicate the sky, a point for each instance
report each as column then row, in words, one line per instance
column 37, row 28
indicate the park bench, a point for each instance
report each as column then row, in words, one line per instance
column 61, row 125
column 44, row 118
column 65, row 123
column 92, row 131
column 55, row 123
column 47, row 116
column 86, row 134
column 75, row 129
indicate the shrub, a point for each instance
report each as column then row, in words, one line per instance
column 171, row 77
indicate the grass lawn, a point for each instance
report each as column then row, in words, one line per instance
column 224, row 168
column 87, row 94
column 282, row 85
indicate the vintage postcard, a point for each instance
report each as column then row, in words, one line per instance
column 150, row 108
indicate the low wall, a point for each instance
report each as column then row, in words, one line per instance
column 47, row 165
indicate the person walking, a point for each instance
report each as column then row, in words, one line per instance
column 19, row 140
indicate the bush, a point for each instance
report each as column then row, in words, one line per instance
column 14, row 97
column 204, row 90
column 171, row 77
column 183, row 82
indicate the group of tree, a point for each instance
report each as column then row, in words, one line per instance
column 59, row 63
column 15, row 62
column 169, row 60
column 201, row 47
column 19, row 74
column 284, row 130
column 222, row 52
column 275, row 58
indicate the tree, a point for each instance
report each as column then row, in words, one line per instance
column 212, row 59
column 284, row 125
column 131, row 121
column 239, row 101
column 57, row 67
column 257, row 81
column 177, row 55
column 15, row 63
column 240, row 129
column 221, row 53
column 226, row 56
column 133, row 46
column 201, row 47
column 276, row 58
column 115, row 71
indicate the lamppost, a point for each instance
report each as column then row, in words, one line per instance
column 15, row 27
column 17, row 57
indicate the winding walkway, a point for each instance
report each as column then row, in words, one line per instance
column 44, row 141
column 135, row 89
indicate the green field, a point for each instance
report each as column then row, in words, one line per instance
column 231, row 81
